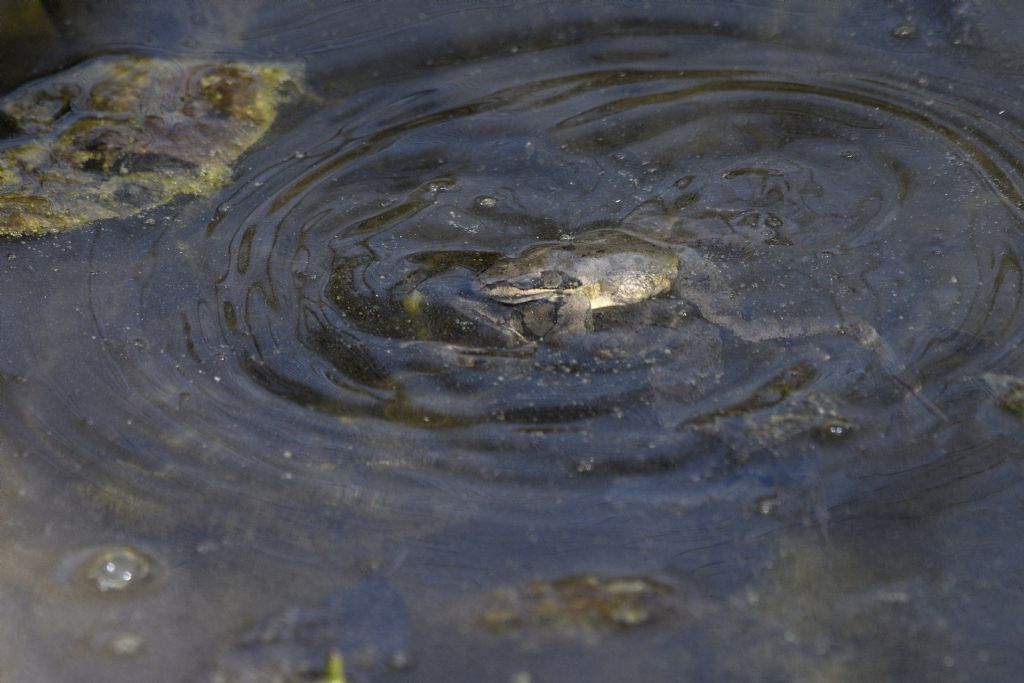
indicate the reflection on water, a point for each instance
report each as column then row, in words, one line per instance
column 290, row 417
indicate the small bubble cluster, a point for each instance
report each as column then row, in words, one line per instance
column 117, row 569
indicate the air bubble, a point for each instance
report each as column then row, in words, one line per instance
column 834, row 430
column 117, row 569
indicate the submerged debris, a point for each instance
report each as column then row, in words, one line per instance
column 334, row 669
column 118, row 135
column 359, row 634
column 1010, row 391
column 768, row 395
column 783, row 408
column 581, row 603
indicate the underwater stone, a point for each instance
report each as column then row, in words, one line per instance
column 118, row 135
column 581, row 603
column 1013, row 400
column 1009, row 391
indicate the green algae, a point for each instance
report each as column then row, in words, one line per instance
column 115, row 136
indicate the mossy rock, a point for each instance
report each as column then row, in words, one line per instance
column 118, row 135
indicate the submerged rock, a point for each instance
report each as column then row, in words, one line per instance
column 118, row 135
column 1010, row 392
column 581, row 603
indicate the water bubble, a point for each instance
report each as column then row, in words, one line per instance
column 117, row 569
column 834, row 429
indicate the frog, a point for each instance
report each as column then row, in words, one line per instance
column 556, row 287
column 561, row 285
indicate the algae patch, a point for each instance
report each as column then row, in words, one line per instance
column 114, row 136
column 581, row 603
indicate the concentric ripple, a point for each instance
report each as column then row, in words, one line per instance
column 314, row 343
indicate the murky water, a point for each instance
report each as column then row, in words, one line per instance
column 238, row 432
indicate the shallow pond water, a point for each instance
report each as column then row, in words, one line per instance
column 242, row 431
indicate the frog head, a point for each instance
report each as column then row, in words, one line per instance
column 505, row 282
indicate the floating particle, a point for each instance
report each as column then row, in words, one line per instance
column 904, row 30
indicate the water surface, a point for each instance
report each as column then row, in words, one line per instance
column 237, row 389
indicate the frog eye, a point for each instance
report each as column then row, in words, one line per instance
column 556, row 279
